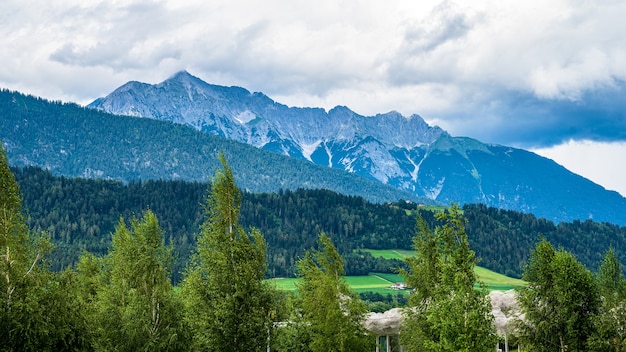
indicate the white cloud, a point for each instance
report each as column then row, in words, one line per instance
column 461, row 65
column 281, row 47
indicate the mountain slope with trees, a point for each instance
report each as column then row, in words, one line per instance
column 80, row 214
column 404, row 152
column 74, row 141
column 124, row 300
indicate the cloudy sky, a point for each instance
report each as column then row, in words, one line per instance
column 544, row 76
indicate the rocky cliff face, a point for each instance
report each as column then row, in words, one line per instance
column 404, row 152
column 385, row 147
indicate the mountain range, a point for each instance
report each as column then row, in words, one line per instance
column 402, row 152
column 70, row 140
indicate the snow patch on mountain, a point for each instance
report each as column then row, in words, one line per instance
column 245, row 117
column 416, row 167
column 308, row 149
column 329, row 152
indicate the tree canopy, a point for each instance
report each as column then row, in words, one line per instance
column 331, row 311
column 228, row 305
column 134, row 305
column 559, row 303
column 445, row 312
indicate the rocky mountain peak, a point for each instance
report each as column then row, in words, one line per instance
column 404, row 152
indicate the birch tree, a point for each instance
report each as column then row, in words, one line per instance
column 26, row 283
column 136, row 307
column 610, row 323
column 445, row 312
column 331, row 311
column 228, row 305
column 559, row 303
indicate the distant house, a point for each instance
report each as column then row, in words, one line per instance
column 399, row 286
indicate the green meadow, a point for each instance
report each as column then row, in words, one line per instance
column 497, row 282
column 491, row 279
column 374, row 282
column 381, row 282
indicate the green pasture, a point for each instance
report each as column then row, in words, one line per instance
column 381, row 282
column 370, row 283
column 375, row 282
column 495, row 281
column 393, row 278
column 491, row 279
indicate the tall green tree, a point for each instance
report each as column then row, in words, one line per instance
column 445, row 313
column 294, row 334
column 331, row 312
column 136, row 308
column 228, row 305
column 22, row 277
column 609, row 333
column 560, row 302
column 34, row 312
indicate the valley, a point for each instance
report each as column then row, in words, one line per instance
column 89, row 217
column 382, row 282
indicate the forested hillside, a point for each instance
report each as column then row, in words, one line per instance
column 77, row 142
column 503, row 239
column 80, row 214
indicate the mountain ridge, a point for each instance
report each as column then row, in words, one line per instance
column 70, row 140
column 404, row 152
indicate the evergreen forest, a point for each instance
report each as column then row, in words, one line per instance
column 81, row 214
column 120, row 297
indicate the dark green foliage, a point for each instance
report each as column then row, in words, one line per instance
column 362, row 263
column 36, row 310
column 504, row 239
column 228, row 305
column 445, row 312
column 331, row 311
column 79, row 214
column 125, row 301
column 559, row 303
column 377, row 302
column 133, row 305
column 610, row 279
column 609, row 334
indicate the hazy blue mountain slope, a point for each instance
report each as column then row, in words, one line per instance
column 404, row 152
column 520, row 180
column 74, row 141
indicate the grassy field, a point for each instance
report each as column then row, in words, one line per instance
column 375, row 282
column 495, row 281
column 491, row 279
column 381, row 282
column 390, row 253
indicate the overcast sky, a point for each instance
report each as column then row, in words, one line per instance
column 544, row 76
